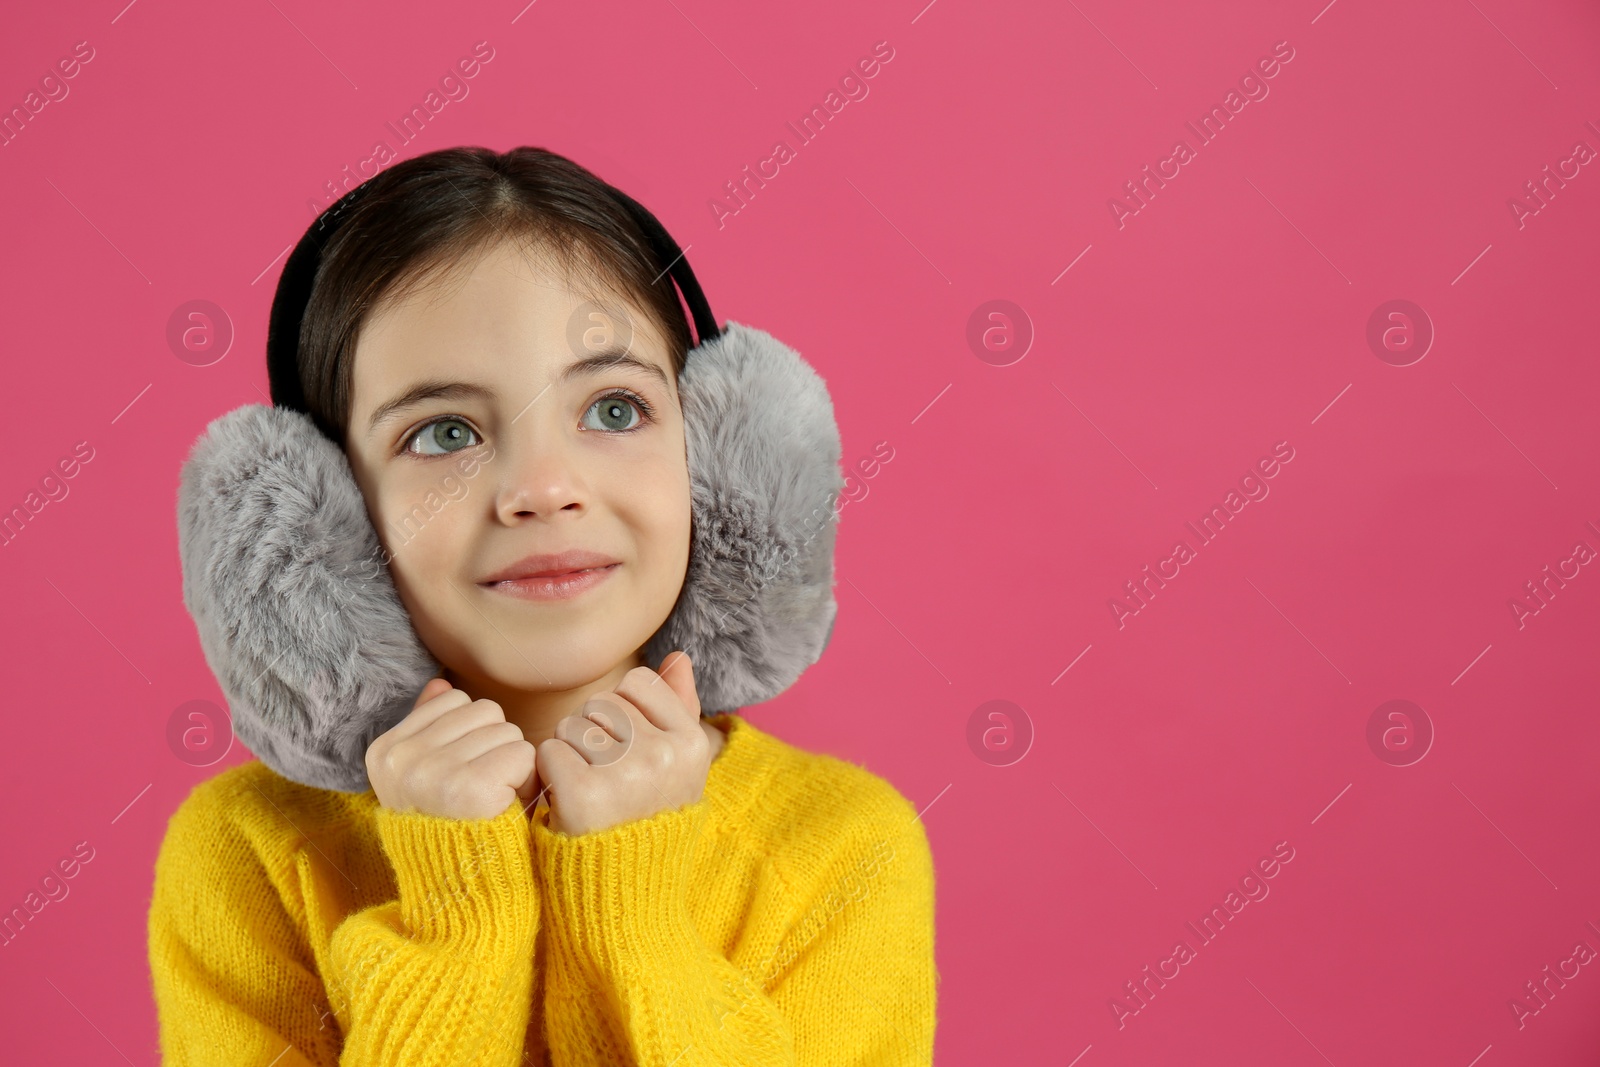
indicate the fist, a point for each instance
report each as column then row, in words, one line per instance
column 452, row 756
column 628, row 754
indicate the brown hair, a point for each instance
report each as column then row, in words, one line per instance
column 426, row 213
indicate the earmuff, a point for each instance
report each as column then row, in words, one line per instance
column 286, row 580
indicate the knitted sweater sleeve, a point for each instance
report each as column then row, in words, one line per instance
column 630, row 981
column 441, row 975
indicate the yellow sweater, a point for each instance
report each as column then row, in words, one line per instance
column 784, row 918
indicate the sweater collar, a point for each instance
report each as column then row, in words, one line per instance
column 739, row 772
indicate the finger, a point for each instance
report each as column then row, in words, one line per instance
column 660, row 703
column 529, row 789
column 513, row 765
column 458, row 720
column 560, row 765
column 587, row 738
column 436, row 698
column 474, row 743
column 435, row 686
column 590, row 739
column 621, row 723
column 677, row 669
column 614, row 715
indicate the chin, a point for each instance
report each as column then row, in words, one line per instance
column 573, row 657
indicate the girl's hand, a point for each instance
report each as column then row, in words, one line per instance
column 629, row 754
column 451, row 756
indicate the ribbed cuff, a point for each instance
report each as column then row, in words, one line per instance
column 468, row 881
column 620, row 897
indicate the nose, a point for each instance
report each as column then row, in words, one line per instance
column 539, row 467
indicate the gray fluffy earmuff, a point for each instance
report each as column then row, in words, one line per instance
column 301, row 624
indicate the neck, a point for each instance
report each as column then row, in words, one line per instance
column 537, row 712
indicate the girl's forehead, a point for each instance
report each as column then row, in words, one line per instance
column 505, row 323
column 524, row 283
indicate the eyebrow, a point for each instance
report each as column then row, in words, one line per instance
column 445, row 389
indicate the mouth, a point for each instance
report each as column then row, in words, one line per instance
column 561, row 585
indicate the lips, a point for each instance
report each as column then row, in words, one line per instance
column 550, row 565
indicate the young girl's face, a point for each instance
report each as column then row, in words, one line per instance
column 541, row 447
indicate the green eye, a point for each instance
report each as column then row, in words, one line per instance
column 616, row 410
column 446, row 435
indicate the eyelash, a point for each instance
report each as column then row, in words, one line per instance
column 647, row 415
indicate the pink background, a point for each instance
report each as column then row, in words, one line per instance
column 1227, row 315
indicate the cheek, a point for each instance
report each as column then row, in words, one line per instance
column 659, row 512
column 423, row 529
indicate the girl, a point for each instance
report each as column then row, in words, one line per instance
column 560, row 859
